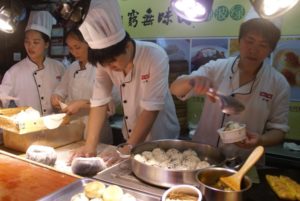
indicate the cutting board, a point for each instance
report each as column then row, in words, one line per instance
column 21, row 180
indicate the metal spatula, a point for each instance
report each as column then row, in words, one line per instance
column 228, row 104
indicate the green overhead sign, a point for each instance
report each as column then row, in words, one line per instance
column 154, row 18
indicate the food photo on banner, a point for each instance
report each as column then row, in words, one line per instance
column 204, row 50
column 286, row 59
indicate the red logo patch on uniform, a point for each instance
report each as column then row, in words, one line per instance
column 145, row 77
column 266, row 95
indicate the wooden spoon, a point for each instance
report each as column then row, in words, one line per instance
column 234, row 181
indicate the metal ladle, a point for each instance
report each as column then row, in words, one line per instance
column 228, row 104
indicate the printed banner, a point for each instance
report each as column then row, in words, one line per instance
column 154, row 18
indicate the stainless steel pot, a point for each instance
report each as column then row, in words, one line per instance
column 167, row 178
column 207, row 177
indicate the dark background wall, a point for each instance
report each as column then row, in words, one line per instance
column 14, row 43
column 10, row 44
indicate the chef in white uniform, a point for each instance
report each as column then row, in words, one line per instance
column 138, row 69
column 250, row 79
column 76, row 86
column 32, row 80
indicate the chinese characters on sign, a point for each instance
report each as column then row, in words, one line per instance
column 136, row 18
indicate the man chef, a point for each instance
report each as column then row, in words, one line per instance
column 32, row 80
column 138, row 69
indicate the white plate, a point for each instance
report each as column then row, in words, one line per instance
column 54, row 120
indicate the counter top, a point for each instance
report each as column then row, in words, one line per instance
column 258, row 192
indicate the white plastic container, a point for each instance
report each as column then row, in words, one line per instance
column 184, row 188
column 234, row 135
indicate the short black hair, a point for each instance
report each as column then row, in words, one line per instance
column 264, row 27
column 108, row 54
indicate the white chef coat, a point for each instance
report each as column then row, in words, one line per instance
column 145, row 87
column 32, row 86
column 77, row 84
column 266, row 101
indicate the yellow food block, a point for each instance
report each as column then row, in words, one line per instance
column 284, row 187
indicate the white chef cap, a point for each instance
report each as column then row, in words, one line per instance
column 40, row 21
column 102, row 26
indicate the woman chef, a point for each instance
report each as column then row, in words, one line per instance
column 139, row 69
column 76, row 86
column 33, row 79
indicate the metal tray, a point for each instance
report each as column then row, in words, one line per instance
column 66, row 193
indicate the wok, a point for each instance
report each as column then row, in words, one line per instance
column 166, row 177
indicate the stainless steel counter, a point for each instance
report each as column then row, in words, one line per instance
column 121, row 174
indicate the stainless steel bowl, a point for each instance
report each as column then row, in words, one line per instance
column 206, row 179
column 167, row 178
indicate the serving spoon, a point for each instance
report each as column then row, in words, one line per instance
column 228, row 104
column 234, row 181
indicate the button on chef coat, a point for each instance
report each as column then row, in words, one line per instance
column 33, row 87
column 265, row 99
column 77, row 84
column 144, row 88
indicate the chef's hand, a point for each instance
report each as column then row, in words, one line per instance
column 110, row 157
column 83, row 151
column 55, row 101
column 252, row 140
column 201, row 85
column 74, row 107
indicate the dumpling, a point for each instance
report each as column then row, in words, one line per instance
column 139, row 158
column 202, row 164
column 79, row 197
column 94, row 189
column 189, row 152
column 128, row 197
column 87, row 166
column 174, row 164
column 160, row 157
column 112, row 193
column 147, row 154
column 42, row 154
column 172, row 151
column 189, row 163
column 158, row 151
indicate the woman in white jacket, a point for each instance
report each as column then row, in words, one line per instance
column 32, row 80
column 76, row 86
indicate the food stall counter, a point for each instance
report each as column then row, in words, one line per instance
column 21, row 179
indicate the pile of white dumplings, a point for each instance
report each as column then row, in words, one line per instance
column 172, row 159
column 98, row 191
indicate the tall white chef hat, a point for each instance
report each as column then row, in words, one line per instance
column 41, row 21
column 102, row 26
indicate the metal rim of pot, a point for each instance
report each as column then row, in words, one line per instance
column 165, row 177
